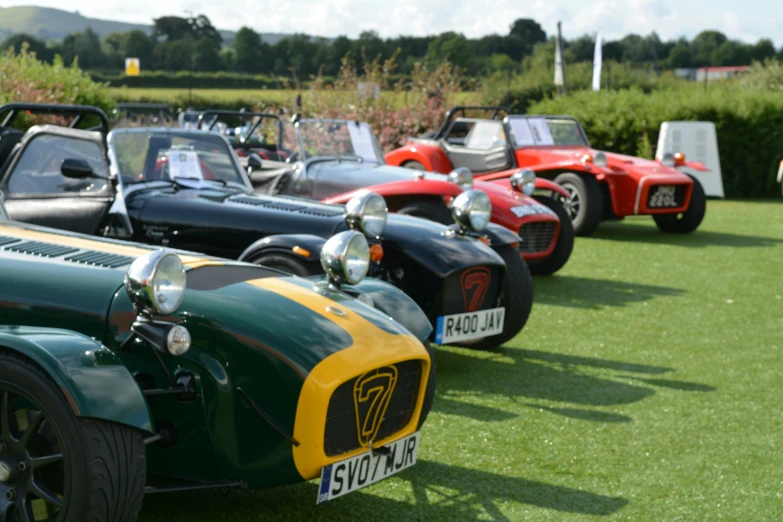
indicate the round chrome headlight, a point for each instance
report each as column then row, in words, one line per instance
column 472, row 209
column 667, row 160
column 346, row 257
column 524, row 181
column 178, row 340
column 156, row 283
column 599, row 158
column 462, row 177
column 367, row 212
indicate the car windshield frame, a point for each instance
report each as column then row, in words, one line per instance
column 362, row 155
column 531, row 140
column 241, row 182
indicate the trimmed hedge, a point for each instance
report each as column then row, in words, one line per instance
column 749, row 125
column 183, row 80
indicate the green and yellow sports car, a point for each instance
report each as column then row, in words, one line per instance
column 125, row 370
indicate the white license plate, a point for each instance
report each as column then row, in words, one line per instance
column 469, row 326
column 347, row 476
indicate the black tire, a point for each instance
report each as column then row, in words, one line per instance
column 428, row 209
column 429, row 393
column 688, row 221
column 565, row 241
column 518, row 299
column 104, row 463
column 414, row 165
column 584, row 206
column 286, row 263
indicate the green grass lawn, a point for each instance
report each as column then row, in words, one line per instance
column 646, row 386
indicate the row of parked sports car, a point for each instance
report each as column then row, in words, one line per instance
column 250, row 302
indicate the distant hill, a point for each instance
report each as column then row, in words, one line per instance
column 56, row 24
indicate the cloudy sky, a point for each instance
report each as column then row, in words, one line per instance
column 747, row 20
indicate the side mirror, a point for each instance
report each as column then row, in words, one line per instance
column 254, row 162
column 76, row 169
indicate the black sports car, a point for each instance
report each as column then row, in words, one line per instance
column 185, row 189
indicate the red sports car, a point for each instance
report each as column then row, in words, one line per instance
column 600, row 185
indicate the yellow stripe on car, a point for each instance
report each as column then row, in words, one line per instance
column 372, row 348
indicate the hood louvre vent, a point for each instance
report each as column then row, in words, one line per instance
column 100, row 259
column 38, row 248
column 5, row 240
column 314, row 210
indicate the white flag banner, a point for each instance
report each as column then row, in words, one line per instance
column 558, row 64
column 597, row 63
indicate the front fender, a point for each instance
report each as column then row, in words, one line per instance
column 92, row 378
column 304, row 246
column 414, row 187
column 554, row 169
column 396, row 304
column 499, row 236
column 550, row 186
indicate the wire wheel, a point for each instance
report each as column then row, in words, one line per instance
column 573, row 202
column 34, row 484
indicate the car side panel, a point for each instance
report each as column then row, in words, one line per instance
column 432, row 157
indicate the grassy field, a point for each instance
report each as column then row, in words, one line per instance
column 646, row 387
column 179, row 97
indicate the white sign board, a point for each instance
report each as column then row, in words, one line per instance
column 699, row 142
column 184, row 164
column 362, row 141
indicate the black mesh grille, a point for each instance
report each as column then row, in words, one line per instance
column 41, row 249
column 537, row 237
column 214, row 277
column 100, row 259
column 4, row 240
column 342, row 432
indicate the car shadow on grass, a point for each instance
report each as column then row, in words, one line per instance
column 440, row 492
column 634, row 233
column 583, row 292
column 536, row 376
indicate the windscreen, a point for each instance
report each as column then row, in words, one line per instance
column 154, row 155
column 343, row 139
column 537, row 131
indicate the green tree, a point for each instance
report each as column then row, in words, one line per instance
column 206, row 55
column 453, row 47
column 247, row 50
column 763, row 49
column 175, row 55
column 86, row 46
column 140, row 45
column 39, row 47
column 705, row 46
column 523, row 36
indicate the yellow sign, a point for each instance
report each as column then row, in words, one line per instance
column 132, row 67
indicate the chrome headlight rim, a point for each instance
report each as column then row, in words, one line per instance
column 524, row 181
column 668, row 160
column 367, row 212
column 143, row 277
column 472, row 210
column 462, row 177
column 346, row 258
